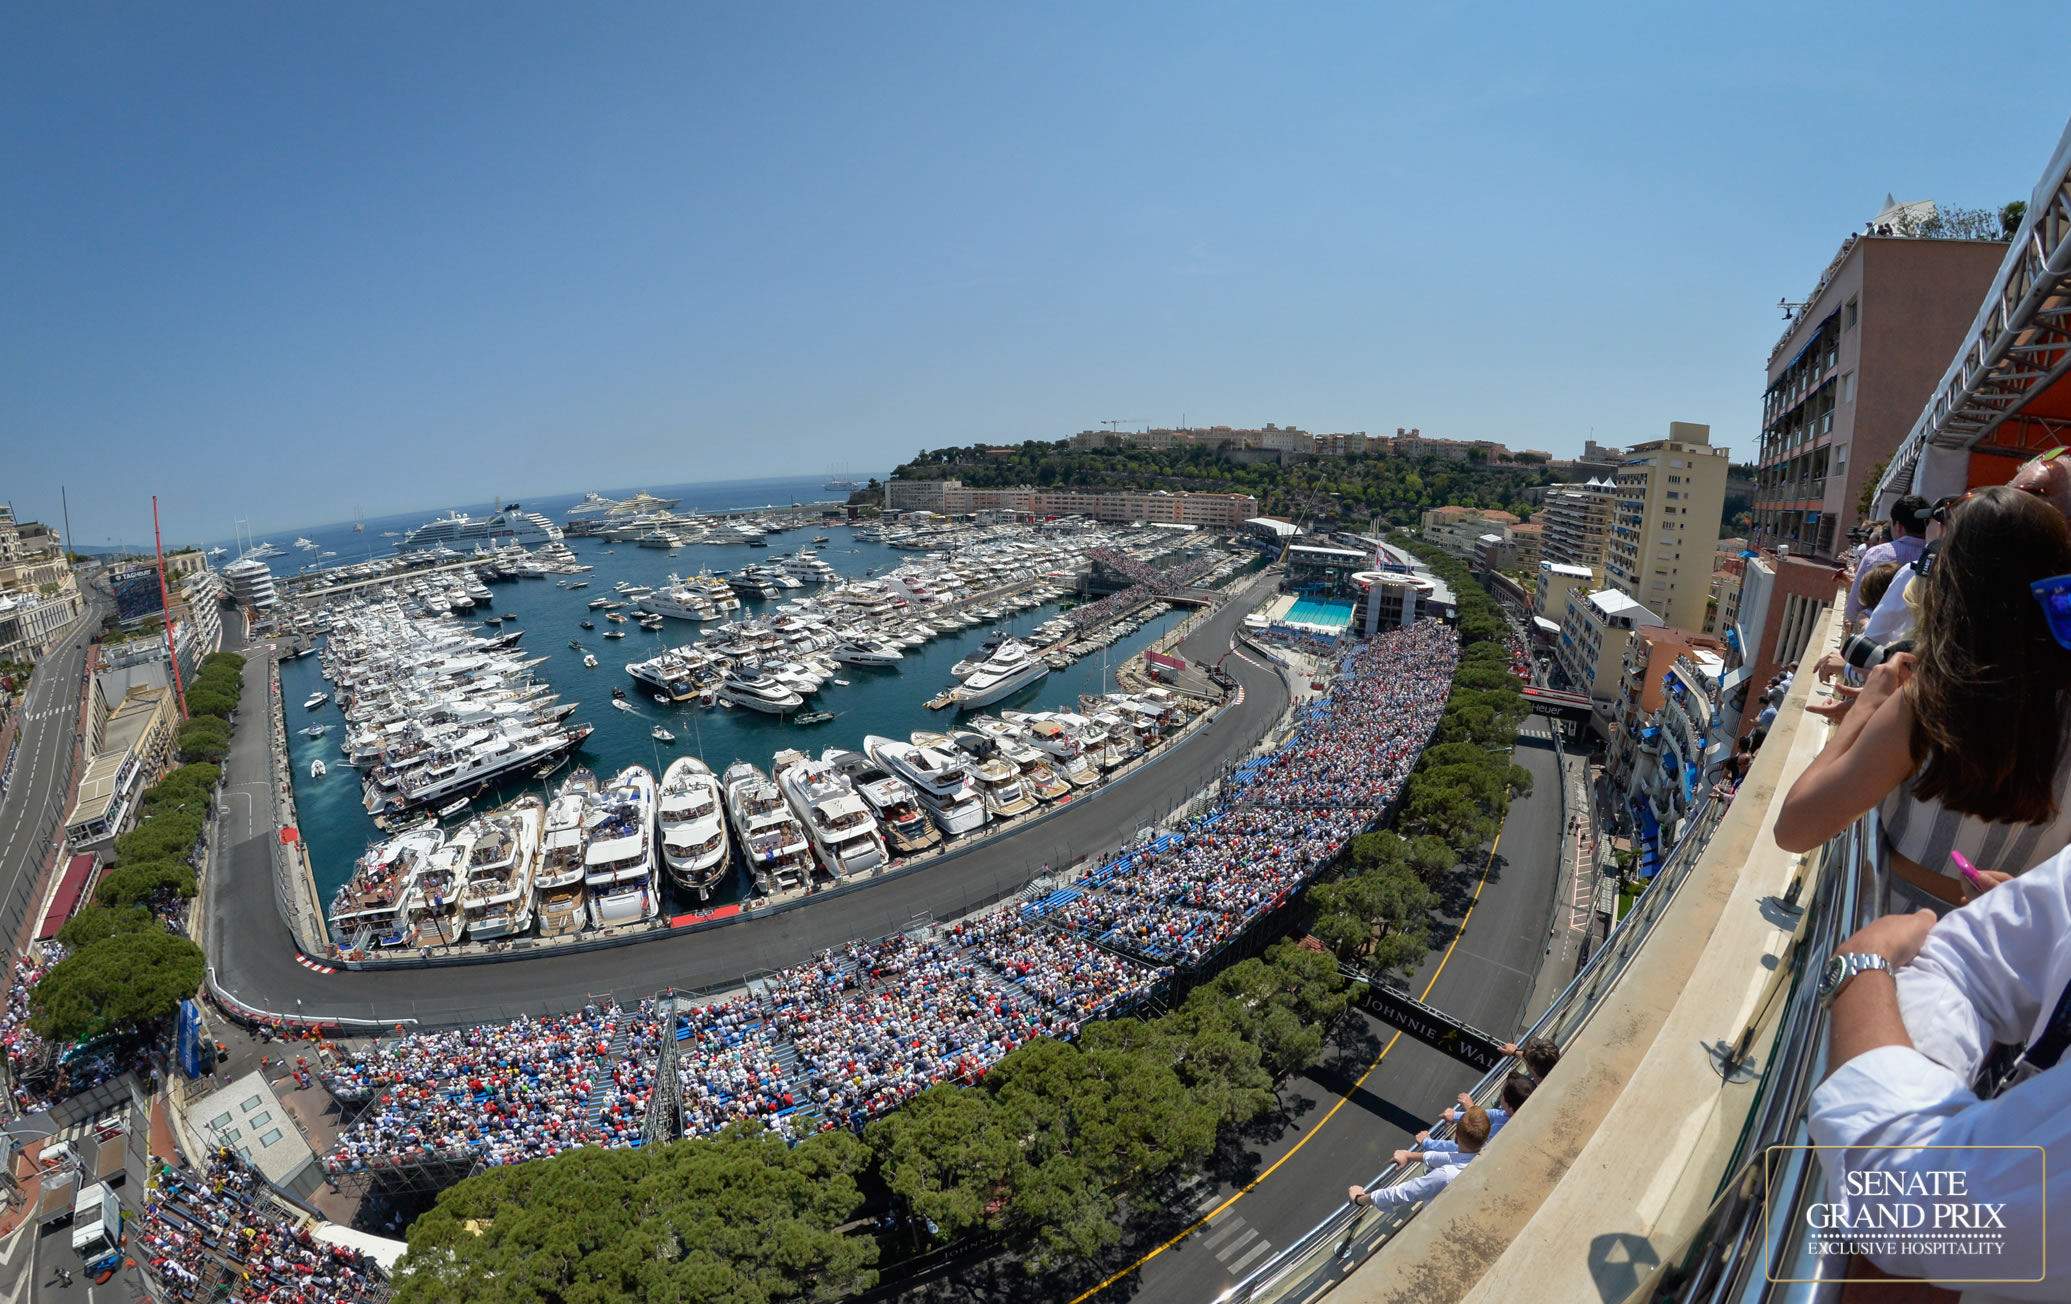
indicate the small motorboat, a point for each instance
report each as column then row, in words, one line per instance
column 589, row 624
column 590, row 659
column 813, row 717
column 661, row 735
column 663, row 698
column 315, row 730
column 315, row 700
column 316, row 769
column 614, row 633
column 580, row 584
column 510, row 615
column 618, row 692
column 843, row 682
column 495, row 622
column 577, row 646
column 621, row 703
column 452, row 808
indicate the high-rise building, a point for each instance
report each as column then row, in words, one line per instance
column 251, row 583
column 1577, row 523
column 1670, row 493
column 1847, row 379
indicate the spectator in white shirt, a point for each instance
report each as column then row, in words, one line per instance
column 1909, row 1041
column 1517, row 1088
column 1440, row 1167
column 1908, row 528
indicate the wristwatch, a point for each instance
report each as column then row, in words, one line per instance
column 1840, row 968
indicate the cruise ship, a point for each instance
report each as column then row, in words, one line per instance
column 619, row 865
column 508, row 525
column 939, row 779
column 772, row 840
column 837, row 819
column 558, row 886
column 693, row 827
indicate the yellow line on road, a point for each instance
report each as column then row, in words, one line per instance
column 1246, row 1190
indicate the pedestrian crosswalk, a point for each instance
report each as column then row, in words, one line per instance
column 1235, row 1244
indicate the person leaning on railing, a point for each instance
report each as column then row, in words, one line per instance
column 1440, row 1167
column 1916, row 1006
column 1960, row 743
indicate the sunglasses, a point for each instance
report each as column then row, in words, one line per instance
column 2053, row 595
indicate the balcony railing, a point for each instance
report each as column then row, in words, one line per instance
column 1332, row 1249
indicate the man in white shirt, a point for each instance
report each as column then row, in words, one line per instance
column 1440, row 1167
column 1916, row 1006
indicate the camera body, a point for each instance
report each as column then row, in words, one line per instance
column 1859, row 651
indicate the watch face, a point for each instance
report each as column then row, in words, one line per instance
column 1836, row 970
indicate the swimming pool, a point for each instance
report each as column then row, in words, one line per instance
column 1324, row 613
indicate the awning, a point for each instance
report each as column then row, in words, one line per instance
column 78, row 873
column 1734, row 679
column 1545, row 626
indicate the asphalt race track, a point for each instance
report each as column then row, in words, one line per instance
column 254, row 958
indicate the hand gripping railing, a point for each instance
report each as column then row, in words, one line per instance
column 1744, row 1250
column 1327, row 1252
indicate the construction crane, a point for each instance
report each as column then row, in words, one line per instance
column 1114, row 426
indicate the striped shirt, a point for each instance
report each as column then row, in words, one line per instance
column 1924, row 832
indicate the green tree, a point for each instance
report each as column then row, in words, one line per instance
column 948, row 1153
column 204, row 738
column 98, row 923
column 740, row 1218
column 122, row 981
column 134, row 882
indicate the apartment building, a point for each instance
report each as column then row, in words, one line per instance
column 1576, row 521
column 133, row 742
column 1850, row 374
column 251, row 582
column 1550, row 595
column 1669, row 496
column 38, row 594
column 1594, row 632
column 1459, row 529
column 1664, row 728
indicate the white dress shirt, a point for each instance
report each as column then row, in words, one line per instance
column 1902, row 551
column 1989, row 972
column 1892, row 619
column 1435, row 1178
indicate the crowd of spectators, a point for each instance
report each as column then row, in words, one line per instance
column 851, row 1033
column 1358, row 745
column 215, row 1233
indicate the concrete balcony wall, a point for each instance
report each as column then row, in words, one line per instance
column 1604, row 1174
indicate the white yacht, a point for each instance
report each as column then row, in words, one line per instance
column 1005, row 792
column 693, row 827
column 865, row 652
column 558, row 884
column 618, row 868
column 504, row 526
column 373, row 900
column 1010, row 670
column 773, row 842
column 496, row 901
column 315, row 700
column 836, row 818
column 939, row 779
column 758, row 693
column 907, row 828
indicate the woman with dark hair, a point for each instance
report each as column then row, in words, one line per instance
column 1961, row 743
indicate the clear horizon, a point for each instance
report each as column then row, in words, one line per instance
column 385, row 255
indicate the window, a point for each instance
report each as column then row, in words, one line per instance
column 1846, row 389
column 270, row 1137
column 250, row 1105
column 260, row 1120
column 1848, row 316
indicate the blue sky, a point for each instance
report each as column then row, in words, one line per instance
column 281, row 261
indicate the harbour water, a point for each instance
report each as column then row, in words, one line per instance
column 888, row 701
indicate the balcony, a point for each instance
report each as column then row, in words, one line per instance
column 1709, row 1041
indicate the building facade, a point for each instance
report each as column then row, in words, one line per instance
column 1848, row 378
column 1576, row 521
column 1669, row 496
column 954, row 498
column 251, row 583
column 38, row 594
column 1594, row 632
column 1459, row 530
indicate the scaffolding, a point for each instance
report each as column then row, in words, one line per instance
column 665, row 1101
